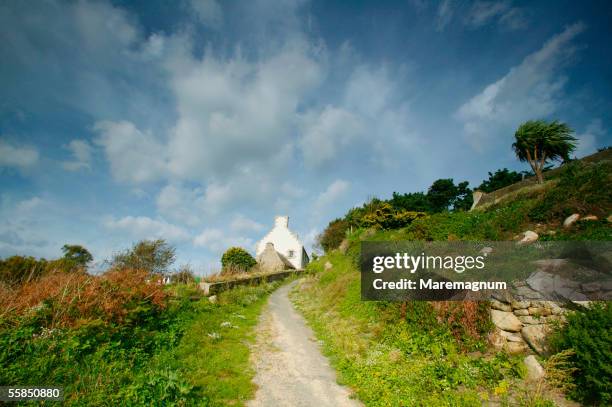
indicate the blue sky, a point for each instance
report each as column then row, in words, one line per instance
column 198, row 121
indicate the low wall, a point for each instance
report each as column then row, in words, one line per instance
column 215, row 287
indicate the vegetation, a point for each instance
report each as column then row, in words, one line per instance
column 184, row 275
column 236, row 258
column 588, row 334
column 538, row 141
column 118, row 338
column 500, row 179
column 153, row 256
column 333, row 235
column 435, row 353
column 77, row 254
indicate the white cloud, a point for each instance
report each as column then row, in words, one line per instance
column 28, row 205
column 444, row 14
column 242, row 224
column 334, row 192
column 484, row 12
column 587, row 140
column 81, row 151
column 143, row 227
column 181, row 204
column 21, row 157
column 533, row 89
column 216, row 241
column 327, row 134
column 208, row 11
column 134, row 156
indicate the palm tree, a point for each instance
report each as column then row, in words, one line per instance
column 538, row 141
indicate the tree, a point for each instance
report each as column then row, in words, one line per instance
column 184, row 275
column 236, row 258
column 443, row 195
column 413, row 201
column 499, row 179
column 538, row 141
column 154, row 256
column 77, row 254
column 333, row 234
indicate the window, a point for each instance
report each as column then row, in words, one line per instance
column 290, row 254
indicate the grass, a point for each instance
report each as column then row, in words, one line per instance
column 188, row 353
column 387, row 361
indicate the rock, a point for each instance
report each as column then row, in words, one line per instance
column 535, row 336
column 550, row 264
column 226, row 324
column 570, row 220
column 521, row 312
column 535, row 371
column 539, row 311
column 503, row 296
column 541, row 282
column 609, row 218
column 328, row 266
column 528, row 237
column 486, row 250
column 344, row 245
column 498, row 305
column 515, row 347
column 606, row 285
column 511, row 336
column 589, row 218
column 521, row 304
column 529, row 320
column 496, row 339
column 526, row 292
column 506, row 321
column 590, row 287
column 213, row 299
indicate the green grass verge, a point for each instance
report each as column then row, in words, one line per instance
column 388, row 361
column 191, row 353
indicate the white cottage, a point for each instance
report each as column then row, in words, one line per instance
column 285, row 242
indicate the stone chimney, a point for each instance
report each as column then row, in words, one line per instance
column 281, row 221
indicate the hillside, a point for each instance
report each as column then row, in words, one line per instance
column 438, row 353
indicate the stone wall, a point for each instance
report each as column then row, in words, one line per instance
column 215, row 287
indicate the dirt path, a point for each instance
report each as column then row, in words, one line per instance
column 290, row 369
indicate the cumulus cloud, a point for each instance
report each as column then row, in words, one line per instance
column 20, row 157
column 143, row 227
column 81, row 152
column 209, row 12
column 587, row 140
column 533, row 89
column 444, row 14
column 217, row 241
column 242, row 224
column 332, row 194
column 134, row 156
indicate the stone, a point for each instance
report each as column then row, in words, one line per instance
column 506, row 321
column 590, row 218
column 486, row 250
column 515, row 347
column 535, row 371
column 503, row 296
column 535, row 336
column 498, row 305
column 328, row 266
column 609, row 218
column 213, row 299
column 529, row 320
column 570, row 220
column 606, row 285
column 511, row 336
column 590, row 287
column 528, row 237
column 526, row 292
column 344, row 245
column 521, row 304
column 521, row 312
column 539, row 311
column 496, row 340
column 542, row 282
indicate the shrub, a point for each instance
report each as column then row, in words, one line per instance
column 184, row 275
column 333, row 234
column 385, row 217
column 237, row 258
column 18, row 269
column 589, row 334
column 154, row 256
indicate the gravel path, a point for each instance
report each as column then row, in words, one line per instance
column 290, row 370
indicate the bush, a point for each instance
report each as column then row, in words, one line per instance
column 184, row 275
column 385, row 217
column 589, row 334
column 154, row 256
column 333, row 234
column 237, row 258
